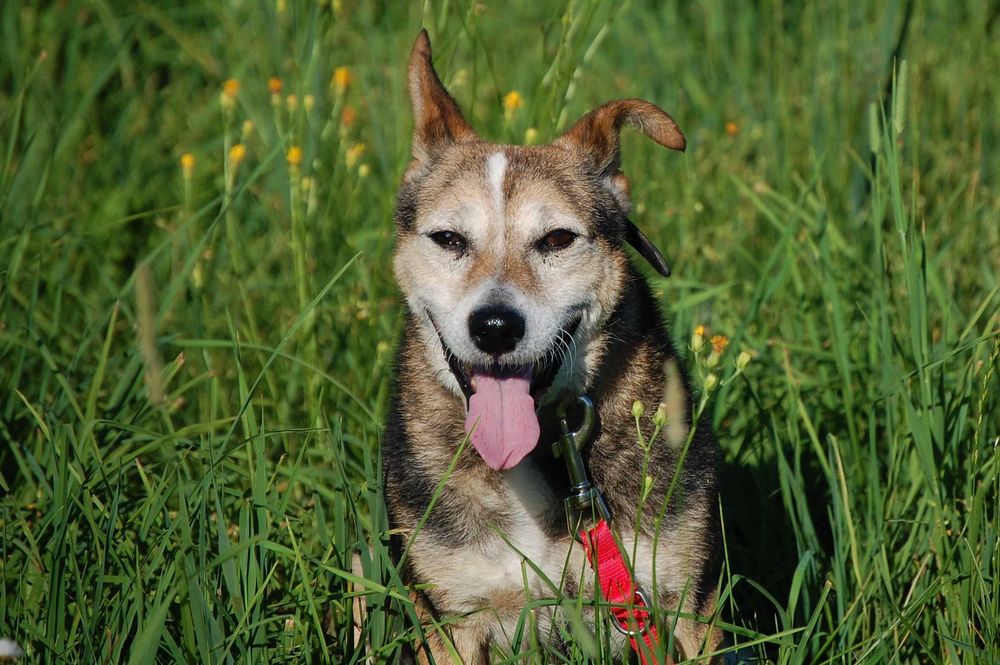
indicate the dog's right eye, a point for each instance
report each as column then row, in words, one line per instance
column 449, row 240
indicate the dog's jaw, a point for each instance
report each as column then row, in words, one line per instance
column 502, row 403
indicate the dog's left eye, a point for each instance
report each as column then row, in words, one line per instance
column 557, row 239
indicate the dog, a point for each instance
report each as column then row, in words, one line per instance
column 520, row 296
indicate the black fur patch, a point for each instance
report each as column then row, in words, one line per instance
column 406, row 208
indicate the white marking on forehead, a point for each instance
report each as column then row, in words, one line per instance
column 496, row 167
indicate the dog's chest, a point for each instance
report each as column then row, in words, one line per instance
column 518, row 560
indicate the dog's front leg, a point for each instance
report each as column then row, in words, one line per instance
column 695, row 638
column 468, row 639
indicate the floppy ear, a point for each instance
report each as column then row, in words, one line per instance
column 595, row 138
column 596, row 135
column 437, row 120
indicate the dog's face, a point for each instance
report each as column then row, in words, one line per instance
column 511, row 257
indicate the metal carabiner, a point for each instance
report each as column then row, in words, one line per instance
column 584, row 502
column 570, row 443
column 642, row 606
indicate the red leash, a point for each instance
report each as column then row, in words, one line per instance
column 628, row 604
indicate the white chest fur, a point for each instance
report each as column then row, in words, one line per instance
column 496, row 577
column 515, row 564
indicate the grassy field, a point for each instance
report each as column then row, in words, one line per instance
column 198, row 316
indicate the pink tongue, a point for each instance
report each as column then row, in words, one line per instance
column 503, row 415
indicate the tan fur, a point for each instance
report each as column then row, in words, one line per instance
column 502, row 200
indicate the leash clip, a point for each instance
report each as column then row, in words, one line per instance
column 643, row 603
column 585, row 504
column 587, row 515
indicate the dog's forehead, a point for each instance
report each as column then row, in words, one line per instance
column 492, row 176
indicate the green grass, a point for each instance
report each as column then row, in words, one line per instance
column 193, row 372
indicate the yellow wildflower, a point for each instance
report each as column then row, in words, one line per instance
column 274, row 85
column 348, row 116
column 294, row 156
column 228, row 97
column 698, row 339
column 732, row 129
column 292, row 103
column 187, row 165
column 512, row 101
column 236, row 155
column 719, row 343
column 341, row 80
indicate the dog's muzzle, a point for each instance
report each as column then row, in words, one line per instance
column 500, row 395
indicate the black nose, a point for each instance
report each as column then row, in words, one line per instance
column 496, row 329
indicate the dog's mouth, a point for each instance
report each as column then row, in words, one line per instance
column 500, row 400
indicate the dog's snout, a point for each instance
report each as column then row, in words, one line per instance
column 496, row 329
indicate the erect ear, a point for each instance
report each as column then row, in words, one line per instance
column 437, row 120
column 595, row 139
